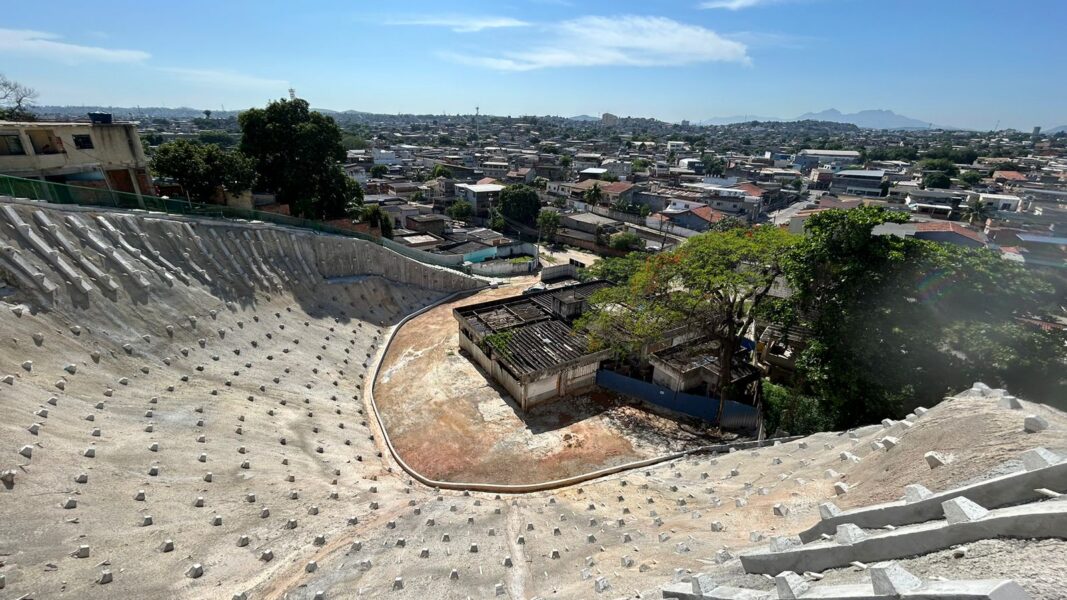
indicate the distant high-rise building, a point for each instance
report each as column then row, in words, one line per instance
column 609, row 120
column 1037, row 131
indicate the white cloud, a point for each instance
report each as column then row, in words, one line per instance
column 461, row 24
column 734, row 4
column 40, row 44
column 615, row 41
column 227, row 79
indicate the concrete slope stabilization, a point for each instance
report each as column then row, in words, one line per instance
column 187, row 415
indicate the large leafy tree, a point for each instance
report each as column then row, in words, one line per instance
column 519, row 203
column 203, row 169
column 715, row 283
column 298, row 156
column 898, row 322
column 548, row 224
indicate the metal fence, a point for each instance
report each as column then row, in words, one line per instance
column 735, row 416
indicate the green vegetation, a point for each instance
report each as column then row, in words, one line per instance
column 461, row 210
column 520, row 260
column 617, row 270
column 789, row 412
column 519, row 203
column 548, row 224
column 297, row 154
column 976, row 210
column 899, row 322
column 937, row 180
column 714, row 283
column 203, row 169
column 890, row 323
column 627, row 241
column 440, row 170
column 374, row 216
column 379, row 171
column 971, row 178
column 594, row 194
column 499, row 342
column 16, row 100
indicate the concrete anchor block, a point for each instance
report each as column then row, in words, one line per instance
column 242, row 541
column 105, row 577
column 1039, row 458
column 780, row 510
column 848, row 534
column 829, row 510
column 936, row 459
column 962, row 510
column 167, row 546
column 398, row 583
column 194, row 571
column 915, row 492
column 8, row 477
column 717, row 526
column 266, row 555
column 891, row 579
column 1034, row 424
column 784, row 543
column 601, row 585
column 26, row 451
column 311, row 567
column 790, row 586
column 1010, row 403
column 81, row 552
column 70, row 503
column 840, row 488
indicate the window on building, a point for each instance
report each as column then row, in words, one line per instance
column 10, row 144
column 83, row 141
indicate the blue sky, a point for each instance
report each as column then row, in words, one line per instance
column 953, row 62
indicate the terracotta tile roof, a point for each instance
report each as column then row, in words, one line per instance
column 487, row 181
column 950, row 227
column 751, row 189
column 1009, row 175
column 708, row 214
column 616, row 187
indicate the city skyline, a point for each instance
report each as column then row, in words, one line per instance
column 952, row 64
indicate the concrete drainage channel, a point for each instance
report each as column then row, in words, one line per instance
column 529, row 487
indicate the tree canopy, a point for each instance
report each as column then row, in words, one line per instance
column 461, row 210
column 202, row 169
column 714, row 283
column 298, row 154
column 548, row 224
column 898, row 322
column 519, row 203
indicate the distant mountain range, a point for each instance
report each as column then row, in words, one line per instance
column 1057, row 129
column 584, row 118
column 869, row 119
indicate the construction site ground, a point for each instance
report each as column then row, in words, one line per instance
column 451, row 422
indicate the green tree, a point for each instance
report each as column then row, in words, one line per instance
column 607, row 176
column 943, row 165
column 640, row 164
column 374, row 216
column 203, row 169
column 976, row 210
column 714, row 283
column 440, row 170
column 461, row 210
column 616, row 269
column 496, row 221
column 593, row 195
column 899, row 322
column 937, row 180
column 548, row 224
column 971, row 178
column 298, row 154
column 379, row 171
column 627, row 241
column 219, row 138
column 519, row 203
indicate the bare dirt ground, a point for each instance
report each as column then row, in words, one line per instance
column 451, row 422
